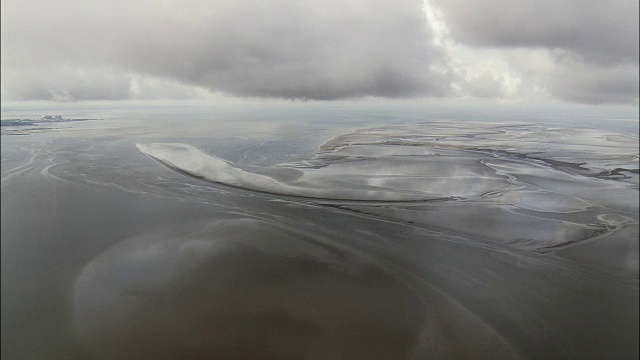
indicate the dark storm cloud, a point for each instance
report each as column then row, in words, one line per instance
column 284, row 48
column 594, row 44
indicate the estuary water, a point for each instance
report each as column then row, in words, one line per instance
column 319, row 232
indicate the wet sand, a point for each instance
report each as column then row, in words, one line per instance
column 425, row 239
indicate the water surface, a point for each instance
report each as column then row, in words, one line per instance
column 319, row 234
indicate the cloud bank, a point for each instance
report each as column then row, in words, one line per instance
column 290, row 49
column 321, row 50
column 591, row 46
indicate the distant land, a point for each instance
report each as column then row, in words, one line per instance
column 42, row 120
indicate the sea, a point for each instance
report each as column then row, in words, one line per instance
column 318, row 231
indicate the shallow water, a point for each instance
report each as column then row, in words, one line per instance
column 332, row 233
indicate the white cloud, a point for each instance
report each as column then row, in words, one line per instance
column 579, row 51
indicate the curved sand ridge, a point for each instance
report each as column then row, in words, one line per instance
column 376, row 178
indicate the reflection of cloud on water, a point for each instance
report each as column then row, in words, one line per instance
column 392, row 178
column 422, row 162
column 527, row 186
column 245, row 288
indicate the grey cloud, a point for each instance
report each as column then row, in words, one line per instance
column 292, row 49
column 63, row 83
column 593, row 44
column 145, row 87
column 591, row 84
column 605, row 32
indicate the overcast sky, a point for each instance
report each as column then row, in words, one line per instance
column 582, row 51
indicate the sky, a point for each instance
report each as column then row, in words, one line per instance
column 494, row 51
